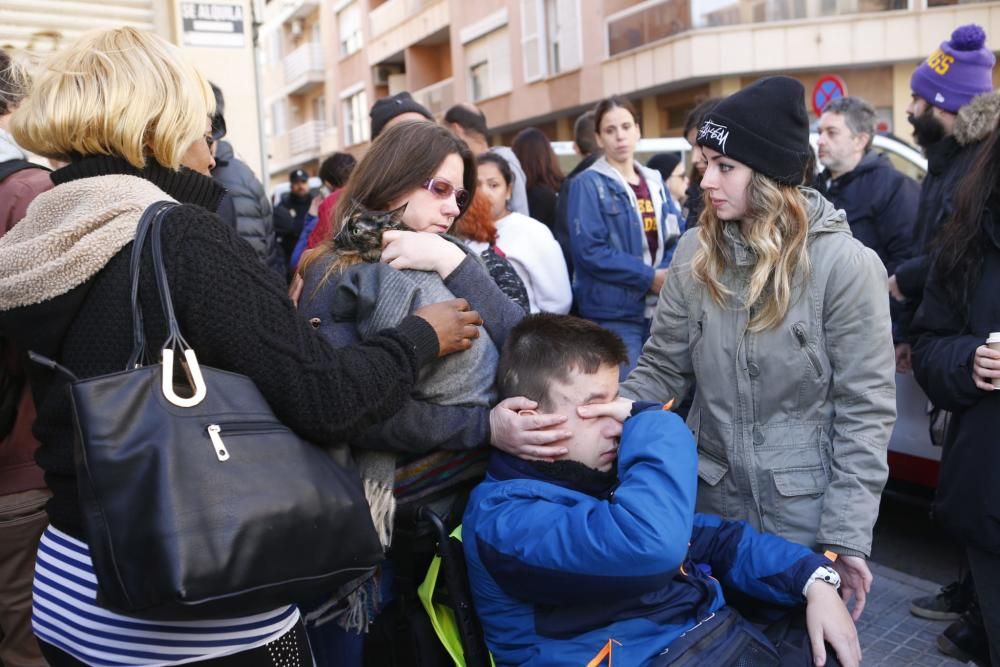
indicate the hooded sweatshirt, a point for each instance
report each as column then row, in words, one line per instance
column 21, row 187
column 18, row 471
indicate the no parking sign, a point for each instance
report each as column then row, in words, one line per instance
column 828, row 88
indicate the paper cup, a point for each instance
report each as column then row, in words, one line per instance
column 993, row 342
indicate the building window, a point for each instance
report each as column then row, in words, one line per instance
column 349, row 26
column 356, row 118
column 562, row 33
column 550, row 37
column 489, row 69
column 279, row 119
column 319, row 108
column 479, row 76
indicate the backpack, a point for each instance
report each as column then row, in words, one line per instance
column 11, row 383
column 11, row 387
column 11, row 166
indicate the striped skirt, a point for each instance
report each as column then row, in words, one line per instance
column 65, row 614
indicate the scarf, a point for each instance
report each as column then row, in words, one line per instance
column 69, row 234
column 73, row 230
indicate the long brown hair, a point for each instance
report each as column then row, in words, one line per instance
column 775, row 229
column 401, row 159
column 958, row 247
column 539, row 161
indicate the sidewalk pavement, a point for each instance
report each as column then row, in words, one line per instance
column 890, row 635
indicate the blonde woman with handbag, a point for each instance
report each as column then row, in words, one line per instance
column 132, row 120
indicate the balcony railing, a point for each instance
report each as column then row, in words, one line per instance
column 306, row 138
column 654, row 20
column 389, row 14
column 304, row 68
column 289, row 10
column 438, row 97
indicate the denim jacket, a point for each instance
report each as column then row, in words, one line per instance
column 612, row 268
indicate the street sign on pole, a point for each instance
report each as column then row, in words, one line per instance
column 212, row 24
column 828, row 88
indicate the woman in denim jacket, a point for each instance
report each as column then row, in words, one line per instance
column 623, row 229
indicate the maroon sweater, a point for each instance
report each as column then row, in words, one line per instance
column 18, row 470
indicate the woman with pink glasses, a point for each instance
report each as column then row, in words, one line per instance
column 419, row 176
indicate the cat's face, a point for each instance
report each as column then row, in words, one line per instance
column 362, row 231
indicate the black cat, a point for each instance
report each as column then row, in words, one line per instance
column 360, row 236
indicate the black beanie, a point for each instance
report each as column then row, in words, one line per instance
column 387, row 108
column 665, row 163
column 764, row 126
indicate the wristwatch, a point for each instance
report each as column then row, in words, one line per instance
column 823, row 573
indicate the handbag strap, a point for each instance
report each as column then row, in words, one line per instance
column 150, row 224
column 174, row 337
column 156, row 210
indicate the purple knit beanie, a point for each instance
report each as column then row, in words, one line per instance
column 958, row 71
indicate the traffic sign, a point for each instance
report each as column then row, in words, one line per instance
column 828, row 88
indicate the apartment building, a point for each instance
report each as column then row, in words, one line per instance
column 542, row 62
column 216, row 35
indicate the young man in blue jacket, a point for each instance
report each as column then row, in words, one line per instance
column 600, row 557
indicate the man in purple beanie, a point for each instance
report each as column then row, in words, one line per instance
column 953, row 109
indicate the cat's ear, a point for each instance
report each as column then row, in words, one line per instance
column 397, row 214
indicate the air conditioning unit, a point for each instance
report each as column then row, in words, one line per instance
column 381, row 73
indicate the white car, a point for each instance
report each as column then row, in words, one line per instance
column 912, row 456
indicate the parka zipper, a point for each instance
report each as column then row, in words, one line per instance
column 799, row 330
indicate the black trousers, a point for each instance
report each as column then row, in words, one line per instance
column 289, row 650
column 985, row 568
column 728, row 639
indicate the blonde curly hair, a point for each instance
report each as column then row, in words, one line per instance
column 775, row 228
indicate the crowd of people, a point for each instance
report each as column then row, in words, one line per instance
column 477, row 334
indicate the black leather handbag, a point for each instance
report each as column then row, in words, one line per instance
column 206, row 505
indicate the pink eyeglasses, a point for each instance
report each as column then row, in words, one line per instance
column 442, row 189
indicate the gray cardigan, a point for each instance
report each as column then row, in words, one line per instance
column 421, row 426
column 376, row 297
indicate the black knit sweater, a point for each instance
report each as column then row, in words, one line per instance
column 235, row 315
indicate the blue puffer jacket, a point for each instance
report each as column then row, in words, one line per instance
column 556, row 573
column 611, row 277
